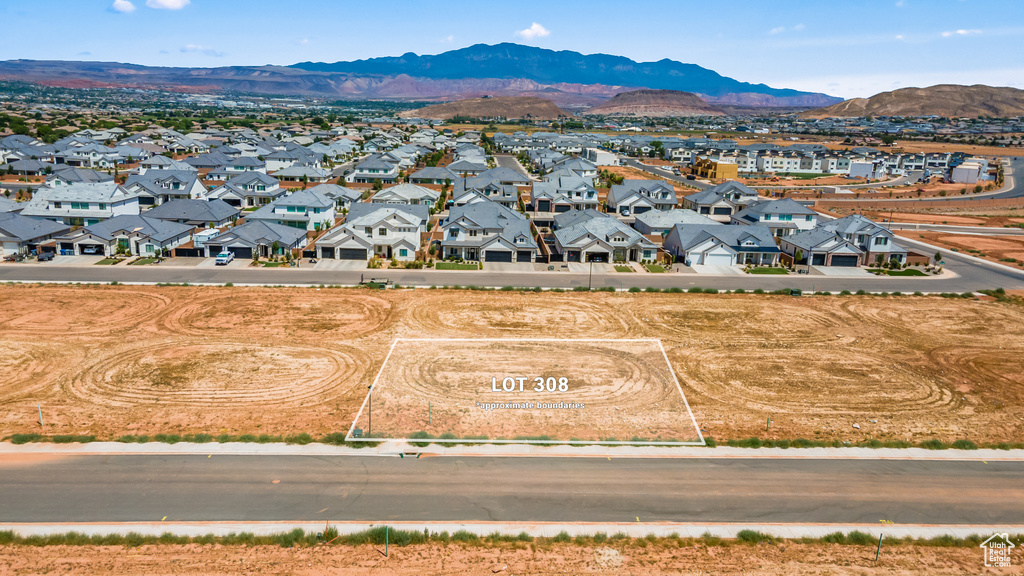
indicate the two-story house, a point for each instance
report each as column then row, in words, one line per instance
column 305, row 209
column 783, row 217
column 158, row 186
column 592, row 236
column 248, row 189
column 82, row 204
column 406, row 194
column 877, row 242
column 382, row 230
column 489, row 232
column 638, row 196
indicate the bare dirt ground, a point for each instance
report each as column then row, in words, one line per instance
column 995, row 248
column 113, row 360
column 668, row 557
column 612, row 390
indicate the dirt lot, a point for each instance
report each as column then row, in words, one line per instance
column 112, row 360
column 995, row 248
column 508, row 559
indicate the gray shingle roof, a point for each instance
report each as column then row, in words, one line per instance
column 194, row 211
column 261, row 232
column 159, row 230
column 26, row 228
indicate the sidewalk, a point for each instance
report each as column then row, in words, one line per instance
column 547, row 529
column 396, row 449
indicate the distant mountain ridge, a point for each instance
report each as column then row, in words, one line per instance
column 655, row 104
column 564, row 77
column 947, row 100
column 516, row 61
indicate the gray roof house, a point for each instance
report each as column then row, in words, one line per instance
column 22, row 233
column 873, row 239
column 248, row 189
column 717, row 245
column 659, row 222
column 82, row 203
column 304, row 209
column 406, row 194
column 489, row 232
column 381, row 230
column 158, row 186
column 433, row 175
column 341, row 195
column 821, row 247
column 783, row 217
column 638, row 196
column 196, row 213
column 592, row 236
column 63, row 175
column 135, row 234
column 257, row 237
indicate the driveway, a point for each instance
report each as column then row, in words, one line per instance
column 511, row 267
column 331, row 264
column 840, row 272
column 87, row 260
column 236, row 263
column 182, row 262
column 718, row 270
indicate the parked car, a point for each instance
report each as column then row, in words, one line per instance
column 224, row 258
column 45, row 256
column 691, row 177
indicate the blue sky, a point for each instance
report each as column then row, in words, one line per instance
column 844, row 48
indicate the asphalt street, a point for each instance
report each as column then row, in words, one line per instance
column 355, row 488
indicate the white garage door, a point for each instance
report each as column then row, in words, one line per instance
column 717, row 260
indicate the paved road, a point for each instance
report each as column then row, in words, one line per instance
column 509, row 161
column 666, row 174
column 971, row 275
column 983, row 230
column 354, row 488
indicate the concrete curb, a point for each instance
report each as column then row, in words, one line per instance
column 395, row 449
column 548, row 529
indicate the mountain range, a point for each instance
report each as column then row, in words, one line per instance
column 565, row 77
column 947, row 100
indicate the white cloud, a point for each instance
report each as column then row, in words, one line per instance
column 534, row 31
column 777, row 30
column 167, row 4
column 899, row 36
column 899, row 3
column 798, row 27
column 448, row 39
column 960, row 32
column 199, row 49
column 123, row 6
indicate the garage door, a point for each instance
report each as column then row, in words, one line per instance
column 848, row 261
column 351, row 254
column 544, row 206
column 327, row 252
column 818, row 260
column 495, row 256
column 717, row 260
column 241, row 251
column 524, row 256
column 597, row 257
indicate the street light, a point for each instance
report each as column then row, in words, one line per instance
column 369, row 425
column 590, row 283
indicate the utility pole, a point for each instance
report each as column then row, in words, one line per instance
column 590, row 283
column 369, row 403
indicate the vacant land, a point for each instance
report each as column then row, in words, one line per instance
column 113, row 360
column 1008, row 250
column 667, row 557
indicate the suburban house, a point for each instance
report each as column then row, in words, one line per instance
column 248, row 189
column 638, row 196
column 23, row 234
column 406, row 194
column 62, row 176
column 257, row 237
column 437, row 175
column 383, row 230
column 580, row 191
column 165, row 163
column 304, row 174
column 373, row 168
column 127, row 234
column 196, row 213
column 874, row 240
column 592, row 236
column 82, row 204
column 783, row 217
column 489, row 232
column 505, row 194
column 717, row 245
column 820, row 247
column 465, row 168
column 304, row 209
column 659, row 222
column 158, row 186
column 721, row 202
column 498, row 175
column 341, row 195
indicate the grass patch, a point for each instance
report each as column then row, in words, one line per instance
column 906, row 272
column 143, row 261
column 108, row 262
column 455, row 266
column 654, row 268
column 621, row 268
column 272, row 264
column 767, row 271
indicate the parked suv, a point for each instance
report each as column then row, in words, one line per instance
column 224, row 258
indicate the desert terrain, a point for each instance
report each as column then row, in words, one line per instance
column 638, row 557
column 125, row 360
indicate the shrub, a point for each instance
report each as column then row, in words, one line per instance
column 739, row 291
column 634, row 289
column 652, row 289
column 932, row 444
column 964, row 445
column 844, row 293
column 25, row 438
column 711, row 290
column 859, row 538
column 562, row 536
column 758, row 291
column 754, row 537
column 302, row 439
column 464, row 536
column 861, row 292
column 334, row 438
column 695, row 290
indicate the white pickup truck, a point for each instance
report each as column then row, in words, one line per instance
column 224, row 258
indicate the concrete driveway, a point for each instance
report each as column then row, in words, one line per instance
column 840, row 272
column 236, row 263
column 331, row 264
column 86, row 260
column 510, row 267
column 718, row 270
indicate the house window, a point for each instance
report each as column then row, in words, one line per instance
column 881, row 241
column 369, row 231
column 403, row 252
column 472, row 233
column 382, row 232
column 807, row 218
